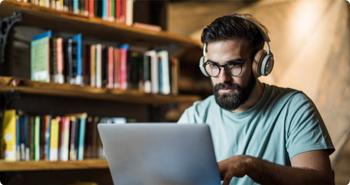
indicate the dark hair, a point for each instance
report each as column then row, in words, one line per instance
column 236, row 26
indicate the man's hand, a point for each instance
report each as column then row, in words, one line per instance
column 308, row 168
column 237, row 166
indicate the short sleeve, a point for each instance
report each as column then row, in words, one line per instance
column 306, row 130
column 185, row 117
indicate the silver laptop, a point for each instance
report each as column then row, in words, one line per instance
column 160, row 154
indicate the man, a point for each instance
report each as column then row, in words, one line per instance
column 262, row 134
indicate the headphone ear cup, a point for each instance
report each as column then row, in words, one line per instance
column 201, row 66
column 257, row 62
column 267, row 64
column 263, row 63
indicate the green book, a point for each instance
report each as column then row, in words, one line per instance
column 40, row 57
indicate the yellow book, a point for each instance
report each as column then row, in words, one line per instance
column 9, row 135
column 54, row 139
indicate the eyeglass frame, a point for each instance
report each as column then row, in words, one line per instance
column 234, row 62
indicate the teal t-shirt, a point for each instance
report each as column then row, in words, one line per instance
column 282, row 124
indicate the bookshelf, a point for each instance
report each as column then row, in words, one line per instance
column 38, row 98
column 52, row 165
column 61, row 21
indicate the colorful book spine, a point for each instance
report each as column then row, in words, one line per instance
column 123, row 66
column 54, row 139
column 36, row 138
column 98, row 72
column 164, row 75
column 110, row 67
column 81, row 140
column 77, row 57
column 9, row 135
column 40, row 57
column 64, row 139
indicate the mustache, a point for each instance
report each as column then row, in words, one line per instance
column 227, row 86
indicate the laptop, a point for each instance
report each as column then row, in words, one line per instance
column 160, row 154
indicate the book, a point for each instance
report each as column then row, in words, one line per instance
column 154, row 71
column 81, row 139
column 123, row 65
column 36, row 140
column 77, row 59
column 40, row 57
column 64, row 139
column 9, row 135
column 98, row 66
column 54, row 139
column 164, row 75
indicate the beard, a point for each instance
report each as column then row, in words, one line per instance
column 236, row 97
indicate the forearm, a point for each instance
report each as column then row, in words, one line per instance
column 265, row 172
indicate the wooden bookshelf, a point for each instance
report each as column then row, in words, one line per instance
column 21, row 86
column 52, row 165
column 44, row 17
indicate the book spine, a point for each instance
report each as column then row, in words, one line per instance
column 129, row 12
column 123, row 66
column 54, row 139
column 81, row 141
column 93, row 66
column 40, row 57
column 110, row 67
column 98, row 65
column 116, row 68
column 78, row 67
column 164, row 63
column 37, row 138
column 9, row 135
column 64, row 147
column 72, row 141
column 147, row 74
column 59, row 78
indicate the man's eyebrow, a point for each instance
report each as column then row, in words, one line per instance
column 233, row 61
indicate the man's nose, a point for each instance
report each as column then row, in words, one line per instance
column 224, row 75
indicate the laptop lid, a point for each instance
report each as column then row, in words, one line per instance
column 160, row 154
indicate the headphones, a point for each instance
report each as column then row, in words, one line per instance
column 263, row 60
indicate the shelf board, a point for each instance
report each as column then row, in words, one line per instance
column 48, row 18
column 14, row 85
column 52, row 165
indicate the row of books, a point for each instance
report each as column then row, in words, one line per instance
column 69, row 137
column 68, row 60
column 120, row 11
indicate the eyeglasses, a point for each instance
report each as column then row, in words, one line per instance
column 213, row 69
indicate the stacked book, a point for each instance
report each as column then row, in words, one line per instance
column 47, row 137
column 120, row 11
column 121, row 66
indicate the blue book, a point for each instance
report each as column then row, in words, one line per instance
column 77, row 59
column 104, row 9
column 76, row 6
column 82, row 128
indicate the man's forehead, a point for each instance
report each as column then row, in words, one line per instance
column 220, row 51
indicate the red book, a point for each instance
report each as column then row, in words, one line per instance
column 123, row 67
column 110, row 68
column 109, row 13
column 116, row 68
column 91, row 8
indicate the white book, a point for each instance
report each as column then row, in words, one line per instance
column 164, row 72
column 64, row 139
column 129, row 12
column 98, row 65
column 154, row 71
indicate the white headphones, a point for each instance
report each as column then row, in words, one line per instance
column 263, row 59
